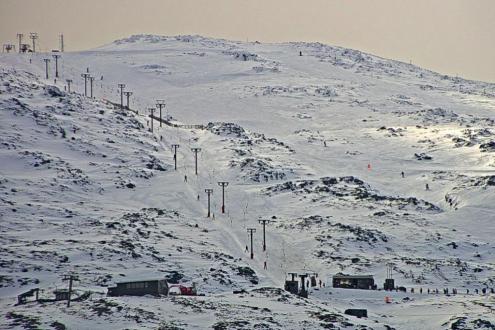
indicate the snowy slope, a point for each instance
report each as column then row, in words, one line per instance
column 316, row 143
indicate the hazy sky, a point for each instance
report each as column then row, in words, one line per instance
column 449, row 36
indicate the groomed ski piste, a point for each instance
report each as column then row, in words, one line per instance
column 315, row 143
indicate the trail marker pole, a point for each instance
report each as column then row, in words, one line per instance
column 70, row 278
column 56, row 57
column 175, row 146
column 127, row 94
column 251, row 231
column 85, row 76
column 209, row 192
column 121, row 86
column 223, row 184
column 196, row 150
column 160, row 104
column 47, row 60
column 264, row 222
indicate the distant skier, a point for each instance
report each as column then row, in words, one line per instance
column 264, row 265
column 427, row 187
column 320, row 283
column 185, row 178
column 198, row 197
column 402, row 174
column 325, row 143
column 101, row 78
column 161, row 138
column 247, row 250
column 300, row 53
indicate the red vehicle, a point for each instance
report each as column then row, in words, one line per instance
column 181, row 290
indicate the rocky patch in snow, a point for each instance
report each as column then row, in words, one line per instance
column 249, row 149
column 345, row 188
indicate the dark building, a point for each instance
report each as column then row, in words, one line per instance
column 353, row 281
column 389, row 284
column 139, row 288
column 292, row 286
column 61, row 294
column 22, row 298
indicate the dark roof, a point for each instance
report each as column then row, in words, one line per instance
column 353, row 276
column 143, row 280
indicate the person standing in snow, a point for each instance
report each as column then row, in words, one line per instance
column 264, row 265
column 247, row 250
column 402, row 173
column 185, row 178
column 427, row 187
column 198, row 197
column 325, row 143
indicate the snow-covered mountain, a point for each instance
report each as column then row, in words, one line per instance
column 312, row 137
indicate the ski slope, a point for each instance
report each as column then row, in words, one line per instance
column 316, row 143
